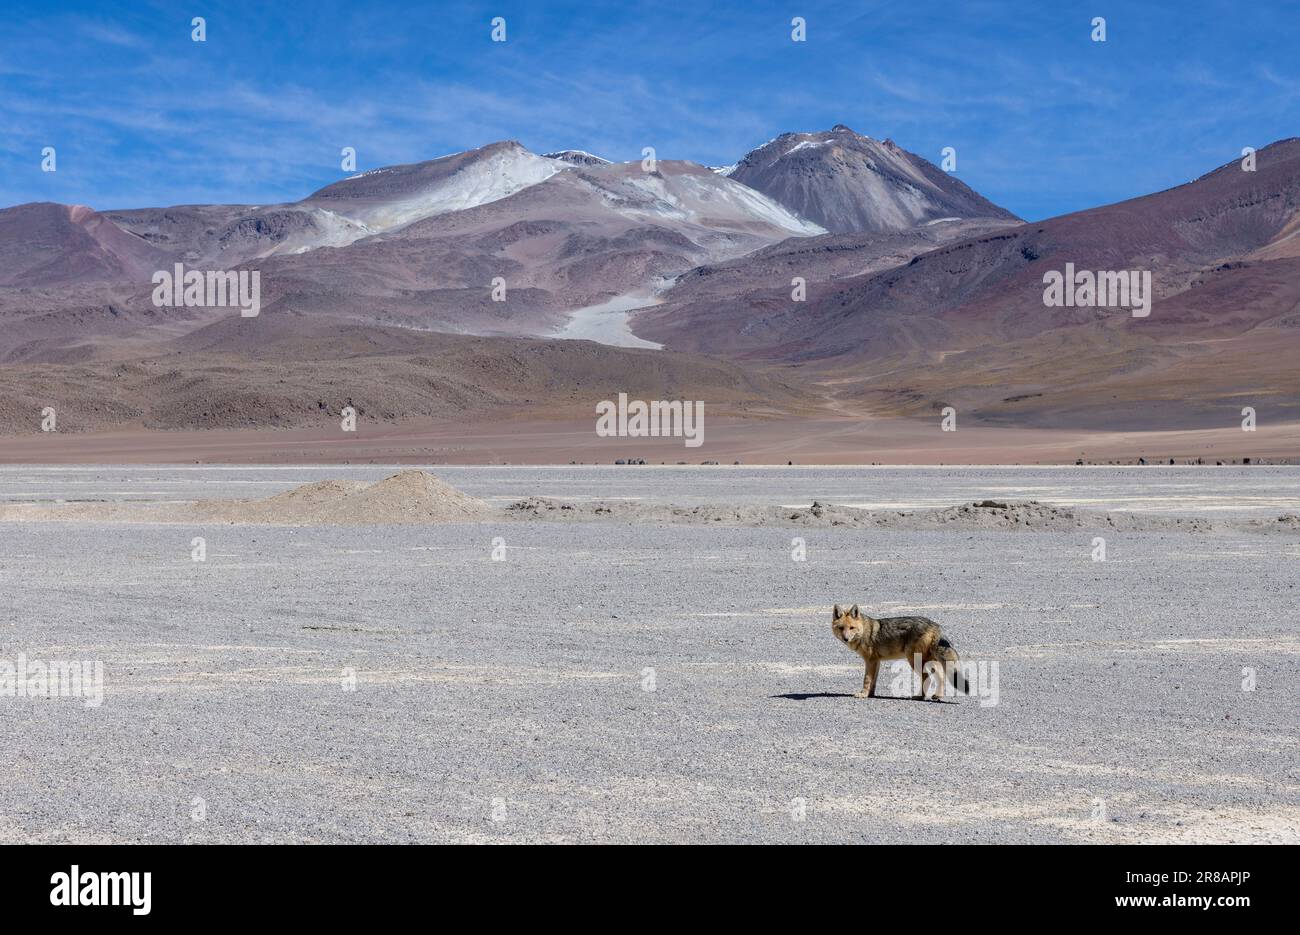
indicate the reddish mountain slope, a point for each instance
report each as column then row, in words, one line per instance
column 47, row 244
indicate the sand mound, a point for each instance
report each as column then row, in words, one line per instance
column 414, row 496
column 323, row 491
column 408, row 497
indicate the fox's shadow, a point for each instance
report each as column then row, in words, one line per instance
column 804, row 696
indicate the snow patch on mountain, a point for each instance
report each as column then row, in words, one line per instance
column 741, row 200
column 807, row 144
column 691, row 194
column 368, row 173
column 480, row 182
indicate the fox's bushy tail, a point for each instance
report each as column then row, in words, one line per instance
column 944, row 652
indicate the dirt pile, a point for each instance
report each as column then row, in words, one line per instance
column 990, row 514
column 986, row 514
column 406, row 497
column 548, row 510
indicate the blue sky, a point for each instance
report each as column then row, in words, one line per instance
column 1044, row 120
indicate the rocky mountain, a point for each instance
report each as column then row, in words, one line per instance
column 361, row 206
column 387, row 199
column 581, row 237
column 913, row 291
column 965, row 323
column 847, row 182
column 578, row 157
column 419, row 246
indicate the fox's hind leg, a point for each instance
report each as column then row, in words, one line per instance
column 940, row 678
column 919, row 663
column 949, row 666
column 925, row 667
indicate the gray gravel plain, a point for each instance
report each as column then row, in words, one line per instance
column 508, row 700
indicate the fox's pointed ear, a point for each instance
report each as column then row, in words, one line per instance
column 835, row 614
column 855, row 613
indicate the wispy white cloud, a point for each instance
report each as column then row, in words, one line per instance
column 108, row 32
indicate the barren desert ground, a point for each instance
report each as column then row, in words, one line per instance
column 636, row 679
column 555, row 440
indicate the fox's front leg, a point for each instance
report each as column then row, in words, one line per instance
column 868, row 680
